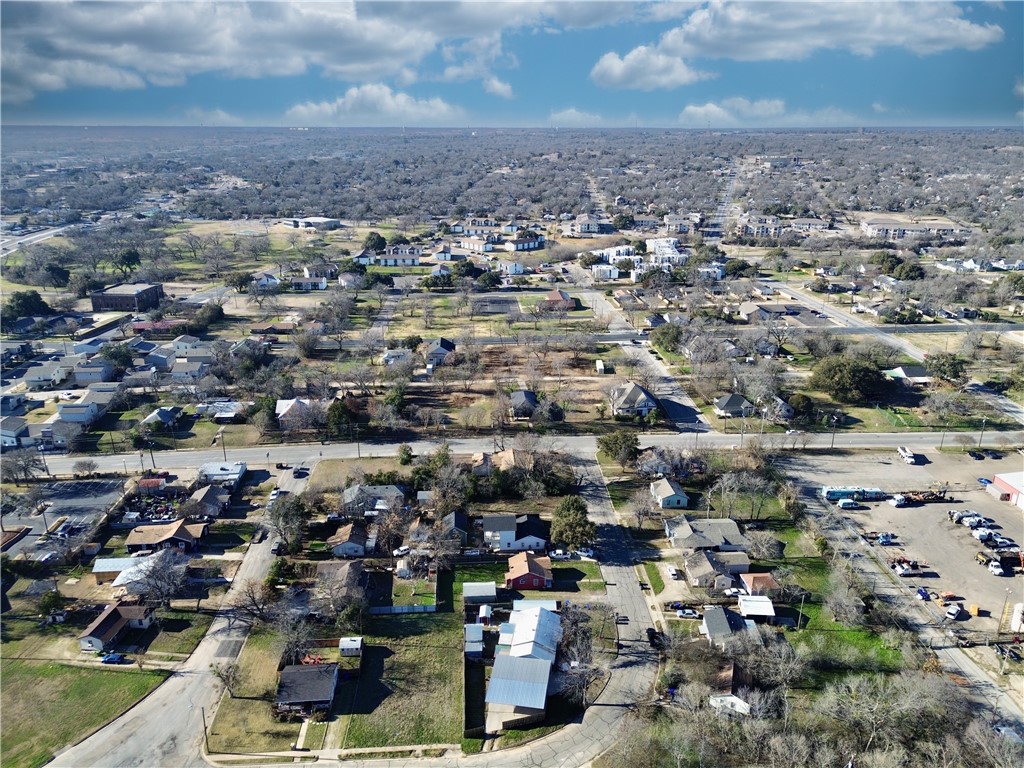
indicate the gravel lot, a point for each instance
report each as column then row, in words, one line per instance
column 924, row 532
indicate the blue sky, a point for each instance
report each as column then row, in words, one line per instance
column 588, row 64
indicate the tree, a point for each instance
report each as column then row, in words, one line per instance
column 375, row 242
column 623, row 221
column 21, row 465
column 229, row 674
column 570, row 525
column 51, row 601
column 306, row 343
column 253, row 603
column 948, row 367
column 293, row 637
column 164, row 579
column 126, row 261
column 287, row 516
column 85, row 467
column 846, row 379
column 25, row 304
column 622, row 445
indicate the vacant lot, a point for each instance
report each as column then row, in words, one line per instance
column 47, row 706
column 410, row 689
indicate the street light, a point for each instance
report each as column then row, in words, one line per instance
column 1002, row 612
column 945, row 426
column 142, row 461
column 984, row 420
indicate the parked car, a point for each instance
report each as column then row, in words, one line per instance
column 402, row 551
column 983, row 559
column 113, row 658
column 996, row 568
column 984, row 481
column 981, row 533
column 559, row 554
column 992, row 454
column 277, row 548
column 975, row 455
column 585, row 552
column 954, row 611
column 687, row 613
column 922, row 594
column 274, row 495
column 620, row 619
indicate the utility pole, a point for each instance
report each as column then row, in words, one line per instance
column 984, row 421
column 206, row 735
column 835, row 421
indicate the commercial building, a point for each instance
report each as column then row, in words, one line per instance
column 127, row 297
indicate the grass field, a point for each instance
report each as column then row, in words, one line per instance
column 654, row 578
column 410, row 689
column 47, row 706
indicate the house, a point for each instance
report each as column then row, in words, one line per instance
column 759, row 583
column 531, row 533
column 225, row 475
column 730, row 691
column 224, row 412
column 162, row 358
column 524, row 241
column 329, row 271
column 437, row 350
column 456, row 524
column 12, row 352
column 11, row 402
column 266, row 280
column 757, row 607
column 557, row 301
column 367, row 499
column 721, row 626
column 632, row 400
column 175, row 535
column 306, row 688
column 481, row 465
column 499, row 531
column 343, row 580
column 510, row 267
column 522, row 404
column 93, row 371
column 733, row 405
column 48, row 375
column 604, row 272
column 511, row 459
column 185, row 343
column 909, row 374
column 127, row 297
column 669, row 494
column 721, row 534
column 295, row 413
column 102, row 633
column 676, row 224
column 163, row 417
column 778, row 409
column 532, row 631
column 12, row 430
column 212, row 499
column 479, row 592
column 349, row 540
column 526, row 571
column 309, row 283
column 476, row 244
column 705, row 571
column 585, row 224
column 395, row 356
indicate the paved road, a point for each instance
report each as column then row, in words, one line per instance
column 165, row 730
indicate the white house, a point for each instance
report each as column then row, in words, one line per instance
column 349, row 541
column 265, row 280
column 510, row 267
column 669, row 494
column 604, row 272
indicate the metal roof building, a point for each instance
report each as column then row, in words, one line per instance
column 519, row 682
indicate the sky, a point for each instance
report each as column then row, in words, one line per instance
column 590, row 63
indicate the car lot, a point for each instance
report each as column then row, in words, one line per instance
column 925, row 532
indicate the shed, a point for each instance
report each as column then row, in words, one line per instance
column 477, row 592
column 483, row 616
column 350, row 646
column 474, row 640
column 757, row 607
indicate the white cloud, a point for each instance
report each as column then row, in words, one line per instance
column 644, row 69
column 575, row 118
column 738, row 112
column 879, row 108
column 1018, row 89
column 497, row 87
column 375, row 105
column 211, row 117
column 763, row 31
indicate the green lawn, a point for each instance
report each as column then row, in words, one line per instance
column 654, row 577
column 179, row 631
column 47, row 706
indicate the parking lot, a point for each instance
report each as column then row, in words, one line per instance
column 924, row 533
column 81, row 501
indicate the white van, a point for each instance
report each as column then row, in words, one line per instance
column 847, row 504
column 673, row 573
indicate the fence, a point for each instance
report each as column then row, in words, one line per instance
column 387, row 610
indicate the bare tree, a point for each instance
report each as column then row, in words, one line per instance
column 293, row 637
column 253, row 603
column 164, row 579
column 229, row 674
column 85, row 467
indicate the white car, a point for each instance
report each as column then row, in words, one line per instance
column 401, row 551
column 274, row 495
column 585, row 552
column 687, row 613
column 559, row 554
column 67, row 395
column 982, row 533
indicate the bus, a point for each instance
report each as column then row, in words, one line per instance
column 837, row 492
column 907, row 455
